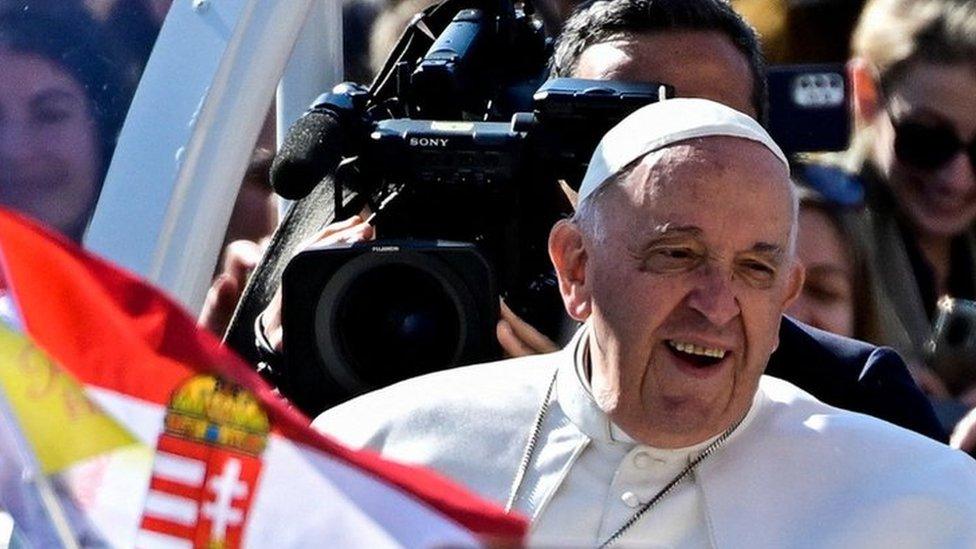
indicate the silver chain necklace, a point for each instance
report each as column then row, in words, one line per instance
column 529, row 451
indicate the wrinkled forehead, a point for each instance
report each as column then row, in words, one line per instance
column 662, row 124
column 715, row 173
column 718, row 153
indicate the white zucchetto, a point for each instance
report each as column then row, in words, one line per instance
column 664, row 123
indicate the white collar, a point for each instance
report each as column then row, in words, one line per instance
column 576, row 401
column 575, row 398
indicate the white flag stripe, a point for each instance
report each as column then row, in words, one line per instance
column 142, row 419
column 179, row 469
column 411, row 522
column 172, row 508
column 115, row 509
column 361, row 510
column 148, row 539
column 6, row 529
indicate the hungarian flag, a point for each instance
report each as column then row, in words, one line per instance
column 123, row 424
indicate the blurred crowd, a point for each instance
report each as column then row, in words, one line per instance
column 886, row 228
column 70, row 69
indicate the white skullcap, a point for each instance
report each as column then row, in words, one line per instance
column 664, row 123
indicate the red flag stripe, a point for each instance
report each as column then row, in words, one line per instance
column 169, row 487
column 168, row 528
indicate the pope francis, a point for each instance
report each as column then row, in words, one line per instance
column 655, row 426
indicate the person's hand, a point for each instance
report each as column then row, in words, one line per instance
column 518, row 338
column 348, row 231
column 240, row 258
column 964, row 435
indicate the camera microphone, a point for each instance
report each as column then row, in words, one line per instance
column 316, row 142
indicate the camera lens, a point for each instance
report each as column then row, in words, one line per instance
column 395, row 313
column 397, row 321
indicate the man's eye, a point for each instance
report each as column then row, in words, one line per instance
column 677, row 253
column 671, row 259
column 760, row 268
column 759, row 271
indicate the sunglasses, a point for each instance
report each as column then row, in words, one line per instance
column 929, row 146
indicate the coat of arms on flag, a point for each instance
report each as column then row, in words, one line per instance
column 122, row 424
column 207, row 464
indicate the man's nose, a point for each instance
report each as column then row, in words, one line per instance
column 713, row 296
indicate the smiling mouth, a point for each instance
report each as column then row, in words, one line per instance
column 696, row 354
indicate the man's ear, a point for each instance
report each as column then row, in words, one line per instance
column 568, row 256
column 794, row 285
column 866, row 96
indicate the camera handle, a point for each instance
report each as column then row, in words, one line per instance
column 383, row 204
column 347, row 169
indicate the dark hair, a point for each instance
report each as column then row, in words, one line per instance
column 828, row 190
column 131, row 30
column 70, row 39
column 601, row 21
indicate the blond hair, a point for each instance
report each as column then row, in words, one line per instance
column 893, row 34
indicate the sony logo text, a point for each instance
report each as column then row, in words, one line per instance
column 428, row 141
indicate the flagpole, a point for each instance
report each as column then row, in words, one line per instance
column 56, row 513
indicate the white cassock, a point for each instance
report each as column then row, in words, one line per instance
column 795, row 473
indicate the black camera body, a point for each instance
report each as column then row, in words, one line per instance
column 460, row 138
column 496, row 184
column 492, row 185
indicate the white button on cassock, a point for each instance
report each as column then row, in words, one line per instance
column 642, row 460
column 630, row 499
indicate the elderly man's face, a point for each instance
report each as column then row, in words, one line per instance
column 684, row 274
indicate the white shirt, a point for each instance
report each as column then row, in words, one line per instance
column 615, row 473
column 796, row 473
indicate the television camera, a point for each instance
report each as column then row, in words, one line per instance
column 459, row 149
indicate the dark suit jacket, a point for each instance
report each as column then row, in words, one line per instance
column 853, row 375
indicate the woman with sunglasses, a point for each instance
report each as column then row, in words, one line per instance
column 914, row 89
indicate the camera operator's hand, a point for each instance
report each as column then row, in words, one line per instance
column 348, row 231
column 518, row 338
column 240, row 258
